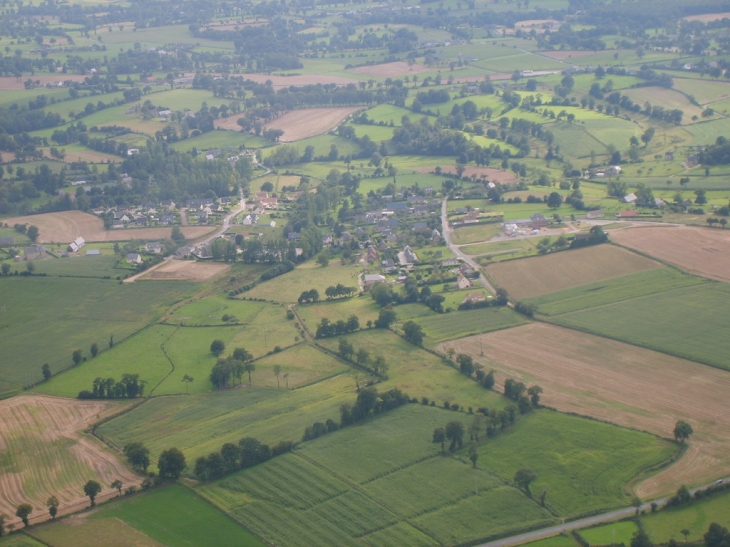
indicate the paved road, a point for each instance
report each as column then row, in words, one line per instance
column 447, row 232
column 579, row 524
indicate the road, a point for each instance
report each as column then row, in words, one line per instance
column 447, row 232
column 581, row 523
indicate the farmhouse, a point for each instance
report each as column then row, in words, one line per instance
column 462, row 282
column 134, row 258
column 594, row 214
column 154, row 247
column 631, row 198
column 536, row 221
column 76, row 245
column 407, row 256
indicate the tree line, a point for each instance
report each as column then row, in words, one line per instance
column 233, row 457
column 129, row 387
column 231, row 369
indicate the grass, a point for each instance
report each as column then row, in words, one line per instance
column 474, row 234
column 210, row 310
column 364, row 307
column 89, row 533
column 696, row 518
column 584, row 465
column 19, row 540
column 449, row 326
column 219, row 139
column 616, row 533
column 555, row 541
column 82, row 266
column 616, row 289
column 72, row 313
column 692, row 322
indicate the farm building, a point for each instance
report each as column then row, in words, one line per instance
column 370, row 279
column 594, row 214
column 536, row 221
column 76, row 245
column 627, row 214
column 462, row 282
column 134, row 258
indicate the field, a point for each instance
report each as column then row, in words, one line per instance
column 619, row 383
column 667, row 98
column 616, row 533
column 448, row 326
column 493, row 175
column 173, row 516
column 20, row 540
column 701, row 251
column 474, row 234
column 386, row 70
column 211, row 309
column 554, row 272
column 187, row 270
column 43, row 452
column 68, row 225
column 696, row 518
column 364, row 307
column 367, row 483
column 72, row 313
column 308, row 122
column 84, row 266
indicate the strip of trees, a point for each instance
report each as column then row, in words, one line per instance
column 229, row 371
column 232, row 457
column 129, row 387
column 326, row 328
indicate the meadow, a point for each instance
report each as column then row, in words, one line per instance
column 448, row 326
column 616, row 533
column 82, row 266
column 72, row 313
column 697, row 517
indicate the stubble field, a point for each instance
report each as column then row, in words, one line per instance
column 308, row 122
column 187, row 270
column 619, row 383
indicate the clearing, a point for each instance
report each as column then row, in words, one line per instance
column 187, row 270
column 623, row 384
column 68, row 225
column 554, row 272
column 44, row 453
column 308, row 122
column 701, row 251
column 389, row 70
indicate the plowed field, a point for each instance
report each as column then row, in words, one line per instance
column 44, row 453
column 554, row 272
column 66, row 226
column 619, row 383
column 701, row 251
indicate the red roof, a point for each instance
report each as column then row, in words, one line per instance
column 625, row 214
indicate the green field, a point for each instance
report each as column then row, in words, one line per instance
column 449, row 326
column 696, row 518
column 210, row 311
column 83, row 266
column 583, row 465
column 72, row 313
column 556, row 541
column 616, row 533
column 19, row 540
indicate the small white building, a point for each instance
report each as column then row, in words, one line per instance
column 76, row 245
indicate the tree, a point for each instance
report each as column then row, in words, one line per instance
column 94, row 349
column 554, row 200
column 641, row 539
column 717, row 536
column 92, row 489
column 30, row 266
column 117, row 485
column 5, row 268
column 46, row 370
column 473, row 454
column 413, row 333
column 77, row 356
column 682, row 431
column 277, row 371
column 385, row 318
column 171, row 463
column 138, row 455
column 217, row 347
column 524, row 477
column 177, row 234
column 187, row 379
column 2, row 522
column 322, row 260
column 52, row 505
column 439, row 437
column 362, row 356
column 534, row 393
column 249, row 367
column 32, row 233
column 455, row 433
column 23, row 511
column 685, row 533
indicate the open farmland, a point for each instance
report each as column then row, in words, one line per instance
column 554, row 272
column 623, row 384
column 186, row 270
column 493, row 175
column 615, row 533
column 667, row 98
column 68, row 225
column 448, row 326
column 43, row 452
column 696, row 518
column 308, row 122
column 389, row 70
column 701, row 251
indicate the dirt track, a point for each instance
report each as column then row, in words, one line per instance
column 66, row 226
column 701, row 251
column 47, row 454
column 619, row 383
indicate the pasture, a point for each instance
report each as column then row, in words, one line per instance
column 44, row 452
column 667, row 98
column 448, row 326
column 619, row 383
column 697, row 517
column 557, row 271
column 211, row 309
column 616, row 533
column 72, row 313
column 82, row 266
column 300, row 365
column 701, row 251
column 81, row 531
column 364, row 307
column 19, row 540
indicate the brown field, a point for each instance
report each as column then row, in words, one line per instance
column 309, row 122
column 68, row 225
column 701, row 251
column 708, row 17
column 572, row 54
column 389, row 70
column 186, row 270
column 46, row 453
column 13, row 83
column 619, row 383
column 554, row 272
column 494, row 175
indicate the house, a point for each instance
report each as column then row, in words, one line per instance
column 359, row 232
column 460, row 211
column 395, row 207
column 141, row 220
column 154, row 247
column 407, row 256
column 132, row 151
column 386, row 225
column 202, row 217
column 462, row 282
column 93, row 252
column 270, row 203
column 76, row 244
column 613, row 170
column 420, row 226
column 327, row 239
column 370, row 279
column 258, row 196
column 415, row 199
column 34, row 252
column 474, row 297
column 631, row 198
column 293, row 236
column 117, row 224
column 471, row 217
column 594, row 214
column 448, row 262
column 166, row 220
column 659, row 203
column 134, row 258
column 420, row 210
column 147, row 205
column 199, row 203
column 465, row 268
column 167, row 204
column 184, row 252
column 225, row 201
column 372, row 254
column 627, row 214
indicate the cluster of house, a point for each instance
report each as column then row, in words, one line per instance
column 656, row 202
column 611, row 171
column 153, row 247
column 202, row 209
column 148, row 213
column 536, row 222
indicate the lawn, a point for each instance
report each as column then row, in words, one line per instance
column 696, row 518
column 72, row 313
column 474, row 234
column 616, row 533
column 583, row 465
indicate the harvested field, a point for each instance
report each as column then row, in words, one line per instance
column 700, row 251
column 708, row 17
column 187, row 270
column 298, row 79
column 68, row 225
column 623, row 384
column 554, row 272
column 309, row 122
column 572, row 54
column 494, row 175
column 389, row 70
column 44, row 453
column 12, row 83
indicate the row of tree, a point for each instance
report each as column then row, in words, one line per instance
column 129, row 387
column 232, row 457
column 326, row 328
